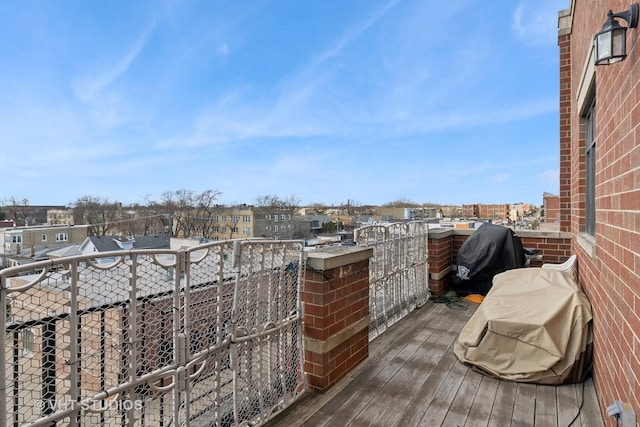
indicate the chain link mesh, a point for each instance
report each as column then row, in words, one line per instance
column 398, row 271
column 205, row 336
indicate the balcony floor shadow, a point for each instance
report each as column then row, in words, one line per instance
column 413, row 378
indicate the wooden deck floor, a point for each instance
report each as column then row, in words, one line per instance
column 413, row 378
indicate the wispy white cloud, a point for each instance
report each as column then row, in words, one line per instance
column 89, row 87
column 353, row 33
column 292, row 112
column 533, row 21
column 551, row 176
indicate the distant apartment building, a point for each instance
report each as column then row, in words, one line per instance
column 60, row 217
column 247, row 221
column 27, row 214
column 276, row 223
column 551, row 208
column 16, row 240
column 501, row 211
column 385, row 213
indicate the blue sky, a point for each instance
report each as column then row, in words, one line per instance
column 324, row 100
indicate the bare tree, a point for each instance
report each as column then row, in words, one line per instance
column 16, row 209
column 401, row 203
column 290, row 203
column 193, row 214
column 351, row 208
column 319, row 208
column 141, row 220
column 100, row 214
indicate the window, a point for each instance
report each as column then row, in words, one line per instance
column 246, row 218
column 44, row 237
column 283, row 217
column 590, row 170
column 62, row 237
column 234, row 229
column 234, row 218
column 16, row 238
column 275, row 228
column 224, row 218
column 214, row 218
column 245, row 230
column 28, row 342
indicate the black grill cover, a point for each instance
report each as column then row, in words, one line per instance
column 490, row 250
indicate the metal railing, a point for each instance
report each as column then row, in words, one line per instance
column 398, row 271
column 210, row 335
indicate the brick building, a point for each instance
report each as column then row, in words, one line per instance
column 550, row 208
column 600, row 190
column 501, row 211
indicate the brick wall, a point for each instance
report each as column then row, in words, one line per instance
column 609, row 262
column 336, row 314
column 552, row 208
column 444, row 244
column 553, row 250
column 440, row 260
column 564, row 44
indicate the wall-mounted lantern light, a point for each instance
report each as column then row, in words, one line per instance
column 611, row 42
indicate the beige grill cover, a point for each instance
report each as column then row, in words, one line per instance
column 533, row 326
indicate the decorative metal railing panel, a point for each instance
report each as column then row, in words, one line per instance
column 208, row 336
column 398, row 271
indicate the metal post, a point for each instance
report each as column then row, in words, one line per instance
column 103, row 357
column 48, row 368
column 16, row 378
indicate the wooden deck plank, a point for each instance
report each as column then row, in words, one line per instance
column 590, row 415
column 413, row 378
column 428, row 392
column 364, row 388
column 461, row 406
column 403, row 386
column 567, row 404
column 502, row 412
column 546, row 412
column 378, row 402
column 524, row 406
column 427, row 405
column 483, row 402
column 439, row 407
column 407, row 383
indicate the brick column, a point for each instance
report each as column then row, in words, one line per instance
column 564, row 43
column 336, row 319
column 440, row 260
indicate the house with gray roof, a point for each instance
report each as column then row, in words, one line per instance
column 95, row 244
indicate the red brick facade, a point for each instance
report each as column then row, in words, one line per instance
column 486, row 211
column 609, row 261
column 552, row 210
column 336, row 318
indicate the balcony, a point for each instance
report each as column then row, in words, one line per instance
column 412, row 378
column 260, row 332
